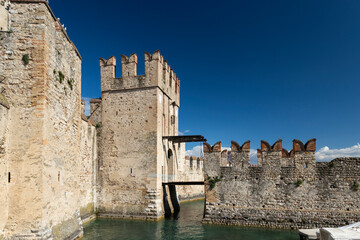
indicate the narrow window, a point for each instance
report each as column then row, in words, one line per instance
column 164, row 124
column 162, row 172
column 131, row 171
column 9, row 177
column 59, row 176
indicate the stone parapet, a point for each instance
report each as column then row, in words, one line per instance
column 157, row 74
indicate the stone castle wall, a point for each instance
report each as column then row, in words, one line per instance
column 58, row 166
column 44, row 150
column 88, row 168
column 191, row 170
column 128, row 168
column 303, row 193
column 4, row 138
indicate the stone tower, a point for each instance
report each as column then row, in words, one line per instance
column 137, row 111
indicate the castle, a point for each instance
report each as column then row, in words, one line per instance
column 59, row 167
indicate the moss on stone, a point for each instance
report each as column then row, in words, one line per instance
column 3, row 101
column 66, row 228
column 87, row 210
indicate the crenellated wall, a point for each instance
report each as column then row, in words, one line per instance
column 136, row 112
column 157, row 74
column 285, row 190
column 190, row 170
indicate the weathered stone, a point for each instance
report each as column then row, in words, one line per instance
column 46, row 150
column 283, row 190
column 58, row 166
column 134, row 113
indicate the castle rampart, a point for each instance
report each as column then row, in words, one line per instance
column 286, row 190
column 45, row 146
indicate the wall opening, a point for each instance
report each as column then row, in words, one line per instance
column 9, row 177
column 163, row 173
column 4, row 15
column 171, row 165
column 164, row 125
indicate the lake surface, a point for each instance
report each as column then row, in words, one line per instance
column 187, row 226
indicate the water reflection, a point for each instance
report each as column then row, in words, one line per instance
column 186, row 226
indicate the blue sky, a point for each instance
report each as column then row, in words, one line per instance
column 249, row 70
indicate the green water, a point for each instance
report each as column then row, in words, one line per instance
column 187, row 226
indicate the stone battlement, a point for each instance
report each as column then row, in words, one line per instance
column 157, row 74
column 194, row 163
column 269, row 155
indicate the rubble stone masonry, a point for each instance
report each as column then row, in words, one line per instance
column 44, row 144
column 285, row 189
column 136, row 112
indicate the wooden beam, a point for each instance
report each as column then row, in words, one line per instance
column 189, row 138
column 183, row 183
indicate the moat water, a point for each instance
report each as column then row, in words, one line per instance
column 187, row 226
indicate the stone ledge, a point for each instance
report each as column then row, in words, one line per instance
column 308, row 234
column 88, row 219
column 128, row 217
